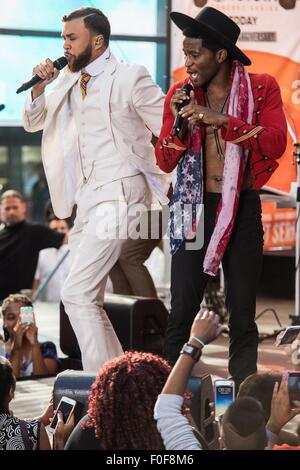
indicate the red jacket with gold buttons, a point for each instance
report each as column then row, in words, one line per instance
column 265, row 137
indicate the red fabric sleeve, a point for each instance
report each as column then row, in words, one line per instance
column 269, row 135
column 169, row 149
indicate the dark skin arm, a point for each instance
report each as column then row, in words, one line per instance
column 16, row 349
column 41, row 366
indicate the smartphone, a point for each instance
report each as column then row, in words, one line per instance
column 26, row 315
column 66, row 406
column 294, row 388
column 224, row 395
column 289, row 335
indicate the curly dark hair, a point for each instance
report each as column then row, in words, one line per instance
column 122, row 399
column 7, row 381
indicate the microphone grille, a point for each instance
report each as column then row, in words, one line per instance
column 188, row 88
column 60, row 63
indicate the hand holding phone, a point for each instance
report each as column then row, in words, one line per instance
column 66, row 407
column 294, row 388
column 224, row 395
column 27, row 315
column 289, row 335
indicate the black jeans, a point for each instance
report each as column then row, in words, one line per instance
column 242, row 264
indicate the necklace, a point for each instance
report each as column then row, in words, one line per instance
column 215, row 128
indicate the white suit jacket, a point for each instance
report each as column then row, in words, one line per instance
column 132, row 106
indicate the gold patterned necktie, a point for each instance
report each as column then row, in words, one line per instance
column 85, row 78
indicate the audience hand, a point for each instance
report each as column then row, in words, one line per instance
column 206, row 326
column 18, row 335
column 32, row 334
column 48, row 413
column 63, row 431
column 292, row 350
column 281, row 412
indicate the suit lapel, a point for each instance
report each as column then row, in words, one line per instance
column 61, row 91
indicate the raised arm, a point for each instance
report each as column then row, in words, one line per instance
column 175, row 429
column 35, row 109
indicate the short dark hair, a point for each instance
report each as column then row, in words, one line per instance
column 94, row 20
column 7, row 381
column 53, row 218
column 244, row 425
column 11, row 193
column 260, row 387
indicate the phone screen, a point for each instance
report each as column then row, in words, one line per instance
column 224, row 396
column 294, row 388
column 66, row 409
column 26, row 314
column 290, row 335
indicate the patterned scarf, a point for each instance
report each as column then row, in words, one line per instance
column 187, row 203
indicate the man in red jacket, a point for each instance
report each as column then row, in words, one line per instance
column 225, row 149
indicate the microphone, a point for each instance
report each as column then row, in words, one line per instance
column 2, row 106
column 59, row 64
column 179, row 119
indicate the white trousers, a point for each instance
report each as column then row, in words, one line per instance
column 105, row 217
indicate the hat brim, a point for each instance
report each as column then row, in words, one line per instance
column 184, row 21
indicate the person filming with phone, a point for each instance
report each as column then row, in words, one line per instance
column 27, row 356
column 244, row 426
column 176, row 431
column 17, row 434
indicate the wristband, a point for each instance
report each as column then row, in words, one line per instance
column 199, row 341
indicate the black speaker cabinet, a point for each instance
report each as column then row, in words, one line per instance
column 77, row 384
column 139, row 322
column 203, row 394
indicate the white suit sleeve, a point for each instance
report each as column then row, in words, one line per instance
column 175, row 429
column 34, row 113
column 148, row 100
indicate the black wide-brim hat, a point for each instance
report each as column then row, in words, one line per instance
column 214, row 25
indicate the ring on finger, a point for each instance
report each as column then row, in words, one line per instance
column 201, row 116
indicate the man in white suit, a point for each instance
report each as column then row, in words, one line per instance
column 98, row 123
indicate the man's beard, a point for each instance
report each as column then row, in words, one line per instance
column 82, row 60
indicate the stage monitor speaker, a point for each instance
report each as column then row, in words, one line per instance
column 202, row 395
column 139, row 323
column 77, row 385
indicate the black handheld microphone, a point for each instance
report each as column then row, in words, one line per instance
column 59, row 64
column 179, row 119
column 2, row 106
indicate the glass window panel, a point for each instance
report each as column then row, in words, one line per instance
column 131, row 52
column 136, row 17
column 3, row 167
column 30, row 154
column 31, row 168
column 3, row 155
column 20, row 54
